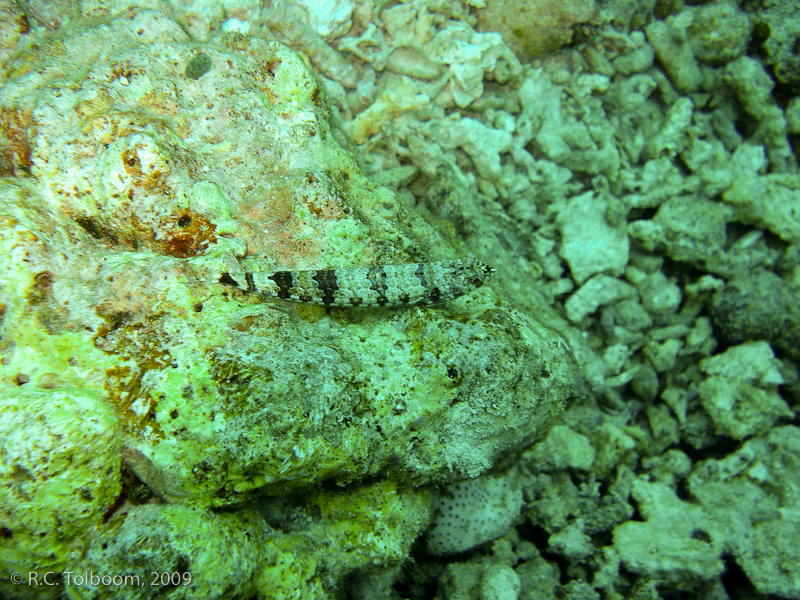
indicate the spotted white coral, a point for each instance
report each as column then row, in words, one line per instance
column 474, row 511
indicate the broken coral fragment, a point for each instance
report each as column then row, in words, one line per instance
column 534, row 27
column 474, row 511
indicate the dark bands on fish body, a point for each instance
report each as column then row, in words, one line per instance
column 228, row 280
column 282, row 279
column 388, row 285
column 327, row 285
column 421, row 274
column 251, row 287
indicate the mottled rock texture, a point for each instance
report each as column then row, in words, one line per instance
column 134, row 172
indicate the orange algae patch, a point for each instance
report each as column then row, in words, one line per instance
column 15, row 148
column 194, row 235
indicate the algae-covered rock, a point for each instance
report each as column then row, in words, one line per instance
column 606, row 250
column 776, row 31
column 220, row 396
column 158, row 551
column 740, row 393
column 325, row 534
column 115, row 234
column 686, row 228
column 534, row 27
column 59, row 474
column 673, row 50
column 753, row 86
column 753, row 496
column 719, row 32
column 677, row 543
column 758, row 306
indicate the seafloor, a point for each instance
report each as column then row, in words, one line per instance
column 251, row 340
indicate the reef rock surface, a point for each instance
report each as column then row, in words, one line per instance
column 138, row 163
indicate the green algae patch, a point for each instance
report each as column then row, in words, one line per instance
column 249, row 396
column 342, row 530
column 59, row 474
column 50, row 361
column 165, row 547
